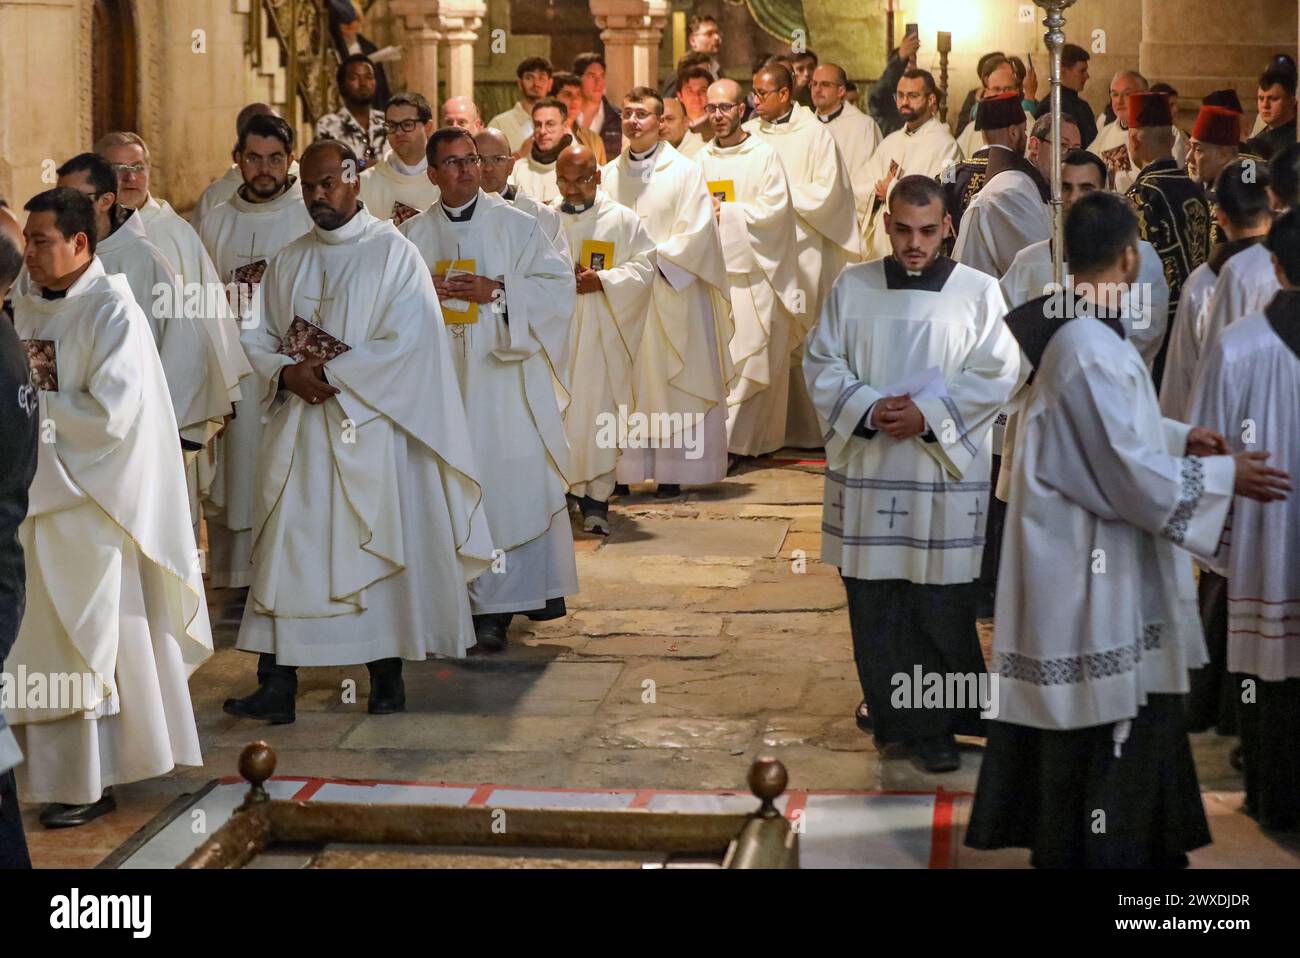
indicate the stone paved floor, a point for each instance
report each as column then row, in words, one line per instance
column 699, row 641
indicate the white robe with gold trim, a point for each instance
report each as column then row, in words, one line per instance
column 383, row 186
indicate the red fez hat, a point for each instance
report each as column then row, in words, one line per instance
column 1227, row 99
column 1149, row 109
column 1219, row 126
column 999, row 112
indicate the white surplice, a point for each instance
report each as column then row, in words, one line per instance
column 691, row 145
column 216, row 193
column 1096, row 607
column 827, row 237
column 1006, row 216
column 911, row 509
column 857, row 135
column 759, row 243
column 925, row 151
column 607, row 328
column 1250, row 380
column 510, row 364
column 239, row 234
column 368, row 518
column 114, row 586
column 1185, row 342
column 385, row 189
column 1030, row 276
column 683, row 362
column 1247, row 283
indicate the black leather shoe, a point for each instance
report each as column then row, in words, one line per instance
column 1237, row 758
column 938, row 754
column 272, row 702
column 621, row 489
column 668, row 490
column 862, row 716
column 387, row 690
column 56, row 815
column 490, row 632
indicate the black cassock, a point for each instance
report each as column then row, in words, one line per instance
column 1174, row 217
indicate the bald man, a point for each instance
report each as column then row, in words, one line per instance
column 855, row 133
column 460, row 111
column 495, row 162
column 827, row 235
column 1112, row 143
column 614, row 271
column 676, row 129
column 222, row 189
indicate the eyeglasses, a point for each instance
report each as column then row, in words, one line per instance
column 406, row 126
column 764, row 94
column 136, row 169
column 458, row 163
column 636, row 114
column 911, row 97
column 274, row 161
column 500, row 159
column 712, row 108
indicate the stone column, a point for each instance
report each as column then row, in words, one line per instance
column 458, row 21
column 420, row 39
column 1179, row 46
column 630, row 30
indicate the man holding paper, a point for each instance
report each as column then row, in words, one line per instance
column 909, row 365
column 367, row 511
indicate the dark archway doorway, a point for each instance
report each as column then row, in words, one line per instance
column 114, row 68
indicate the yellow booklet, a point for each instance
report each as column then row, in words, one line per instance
column 596, row 254
column 724, row 190
column 456, row 312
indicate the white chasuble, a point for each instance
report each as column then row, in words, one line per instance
column 758, row 226
column 827, row 237
column 367, row 511
column 535, row 178
column 216, row 193
column 511, row 359
column 547, row 218
column 390, row 194
column 1147, row 312
column 1006, row 216
column 114, row 586
column 925, row 151
column 857, row 135
column 913, row 509
column 242, row 237
column 1096, row 607
column 1251, row 376
column 683, row 362
column 691, row 145
column 607, row 328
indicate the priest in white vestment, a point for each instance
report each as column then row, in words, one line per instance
column 1008, row 213
column 507, row 299
column 757, row 220
column 909, row 366
column 533, row 76
column 535, row 170
column 398, row 186
column 242, row 235
column 855, row 133
column 114, row 588
column 224, row 186
column 922, row 146
column 195, row 382
column 614, row 273
column 826, row 227
column 1247, row 389
column 1237, row 280
column 495, row 162
column 683, row 362
column 1030, row 273
column 676, row 129
column 367, row 518
column 1096, row 622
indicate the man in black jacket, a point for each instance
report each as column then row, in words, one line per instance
column 18, row 425
column 1074, row 77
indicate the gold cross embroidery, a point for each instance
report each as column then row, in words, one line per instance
column 320, row 300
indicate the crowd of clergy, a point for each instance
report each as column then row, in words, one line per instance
column 384, row 375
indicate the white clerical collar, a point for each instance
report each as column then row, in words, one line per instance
column 347, row 232
column 416, row 170
column 632, row 155
column 454, row 211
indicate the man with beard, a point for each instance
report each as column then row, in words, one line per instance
column 242, row 235
column 356, row 123
column 398, row 187
column 367, row 516
column 534, row 78
column 507, row 298
column 222, row 189
column 535, row 171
